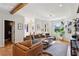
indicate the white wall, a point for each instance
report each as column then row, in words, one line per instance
column 41, row 23
column 77, row 15
column 31, row 23
column 19, row 34
column 68, row 35
column 1, row 33
column 5, row 15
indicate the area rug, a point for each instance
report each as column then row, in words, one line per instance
column 58, row 49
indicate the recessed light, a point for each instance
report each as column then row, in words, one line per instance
column 60, row 5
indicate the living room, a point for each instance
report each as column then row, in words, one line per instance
column 38, row 29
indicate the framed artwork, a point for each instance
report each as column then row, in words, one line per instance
column 20, row 26
column 45, row 27
column 32, row 28
column 27, row 28
column 38, row 27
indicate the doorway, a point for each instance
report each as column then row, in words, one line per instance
column 9, row 32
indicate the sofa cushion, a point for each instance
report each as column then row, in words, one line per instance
column 27, row 43
column 35, row 45
column 22, row 47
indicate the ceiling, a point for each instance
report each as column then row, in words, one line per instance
column 50, row 10
column 8, row 6
column 46, row 10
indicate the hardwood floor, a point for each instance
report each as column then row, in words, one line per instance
column 7, row 50
column 63, row 42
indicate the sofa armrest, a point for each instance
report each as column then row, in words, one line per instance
column 36, row 49
column 17, row 51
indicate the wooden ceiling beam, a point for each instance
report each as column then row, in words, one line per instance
column 18, row 7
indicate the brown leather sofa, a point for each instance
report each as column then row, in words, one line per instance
column 26, row 48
